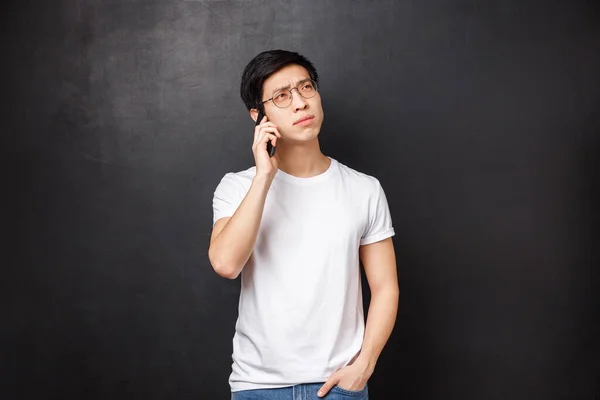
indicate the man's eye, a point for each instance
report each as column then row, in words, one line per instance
column 281, row 96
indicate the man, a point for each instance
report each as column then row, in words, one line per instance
column 296, row 226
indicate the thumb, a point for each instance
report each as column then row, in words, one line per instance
column 331, row 382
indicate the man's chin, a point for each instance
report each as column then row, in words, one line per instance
column 302, row 137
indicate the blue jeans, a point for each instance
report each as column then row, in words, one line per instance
column 307, row 391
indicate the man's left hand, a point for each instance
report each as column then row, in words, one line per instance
column 352, row 377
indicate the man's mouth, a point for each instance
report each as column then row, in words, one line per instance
column 305, row 120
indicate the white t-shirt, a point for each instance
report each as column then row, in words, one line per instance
column 300, row 308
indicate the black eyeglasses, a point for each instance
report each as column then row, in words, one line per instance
column 283, row 98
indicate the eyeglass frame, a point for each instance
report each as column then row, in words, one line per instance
column 292, row 95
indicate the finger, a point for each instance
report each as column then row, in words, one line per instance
column 273, row 129
column 260, row 125
column 331, row 382
column 261, row 121
column 257, row 131
column 263, row 139
column 268, row 123
column 270, row 138
column 260, row 137
column 271, row 126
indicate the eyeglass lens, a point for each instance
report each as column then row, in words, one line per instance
column 283, row 98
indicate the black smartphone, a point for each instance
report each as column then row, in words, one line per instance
column 270, row 148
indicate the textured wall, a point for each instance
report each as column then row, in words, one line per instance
column 479, row 118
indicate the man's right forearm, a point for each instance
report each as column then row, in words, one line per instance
column 232, row 248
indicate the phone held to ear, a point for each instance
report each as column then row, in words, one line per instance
column 270, row 148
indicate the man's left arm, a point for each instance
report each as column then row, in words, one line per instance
column 379, row 261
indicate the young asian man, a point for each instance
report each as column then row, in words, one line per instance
column 296, row 226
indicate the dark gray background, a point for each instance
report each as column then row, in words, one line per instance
column 480, row 119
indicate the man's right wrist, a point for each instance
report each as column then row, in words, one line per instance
column 262, row 181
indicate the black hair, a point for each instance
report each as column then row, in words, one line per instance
column 264, row 65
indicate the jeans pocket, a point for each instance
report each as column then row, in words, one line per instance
column 355, row 394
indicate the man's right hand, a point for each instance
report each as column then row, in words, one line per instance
column 265, row 166
column 233, row 238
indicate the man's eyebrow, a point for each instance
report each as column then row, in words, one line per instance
column 288, row 85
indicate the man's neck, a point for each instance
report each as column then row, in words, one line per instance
column 302, row 160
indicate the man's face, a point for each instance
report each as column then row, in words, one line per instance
column 288, row 119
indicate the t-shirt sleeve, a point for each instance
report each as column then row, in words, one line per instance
column 379, row 226
column 227, row 197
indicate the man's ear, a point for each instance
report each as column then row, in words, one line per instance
column 253, row 114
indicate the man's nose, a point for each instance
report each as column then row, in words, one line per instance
column 298, row 102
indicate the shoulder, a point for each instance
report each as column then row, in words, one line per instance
column 239, row 179
column 240, row 176
column 358, row 179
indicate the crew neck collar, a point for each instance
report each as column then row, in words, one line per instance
column 281, row 175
